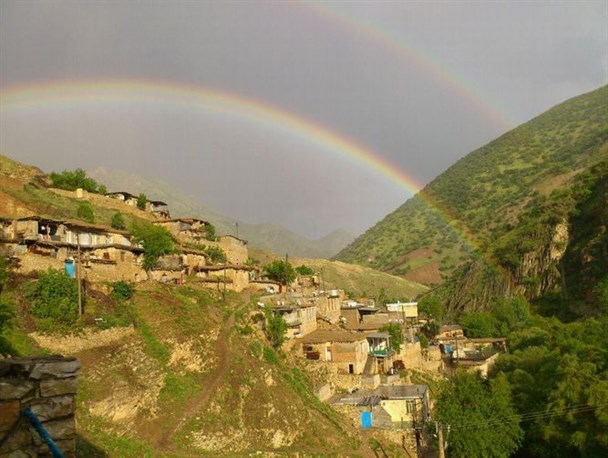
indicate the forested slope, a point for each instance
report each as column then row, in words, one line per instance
column 482, row 195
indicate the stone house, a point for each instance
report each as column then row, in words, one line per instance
column 124, row 197
column 403, row 312
column 398, row 406
column 449, row 332
column 362, row 318
column 191, row 230
column 347, row 351
column 233, row 278
column 380, row 352
column 158, row 208
column 301, row 320
column 235, row 249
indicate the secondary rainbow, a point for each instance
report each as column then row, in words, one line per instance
column 421, row 59
column 90, row 92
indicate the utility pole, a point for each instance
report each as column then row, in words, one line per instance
column 79, row 278
column 440, row 435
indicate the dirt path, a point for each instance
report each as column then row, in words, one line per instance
column 221, row 350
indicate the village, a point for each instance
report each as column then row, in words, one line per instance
column 370, row 359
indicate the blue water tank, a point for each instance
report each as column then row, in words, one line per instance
column 366, row 420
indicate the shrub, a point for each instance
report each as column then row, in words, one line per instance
column 216, row 254
column 141, row 201
column 210, row 232
column 118, row 221
column 54, row 299
column 304, row 270
column 276, row 328
column 85, row 212
column 123, row 290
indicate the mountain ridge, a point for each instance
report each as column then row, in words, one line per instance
column 266, row 236
column 482, row 195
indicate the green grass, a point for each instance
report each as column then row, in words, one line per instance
column 483, row 192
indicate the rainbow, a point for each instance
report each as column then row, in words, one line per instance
column 422, row 60
column 87, row 92
column 72, row 93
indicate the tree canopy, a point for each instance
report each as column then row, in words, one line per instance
column 281, row 271
column 479, row 415
column 156, row 241
column 72, row 180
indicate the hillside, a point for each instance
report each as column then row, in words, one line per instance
column 266, row 236
column 481, row 197
column 193, row 376
column 360, row 281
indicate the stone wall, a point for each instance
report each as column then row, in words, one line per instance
column 47, row 385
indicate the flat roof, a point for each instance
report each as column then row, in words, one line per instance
column 327, row 335
column 379, row 335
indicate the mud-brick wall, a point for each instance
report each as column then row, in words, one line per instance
column 47, row 385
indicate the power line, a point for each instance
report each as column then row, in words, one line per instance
column 531, row 416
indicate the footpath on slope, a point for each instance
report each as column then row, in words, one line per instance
column 221, row 350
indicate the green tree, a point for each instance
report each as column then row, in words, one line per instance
column 281, row 271
column 430, row 307
column 156, row 241
column 118, row 221
column 72, row 180
column 276, row 328
column 480, row 416
column 85, row 212
column 396, row 335
column 142, row 200
column 304, row 270
column 54, row 299
column 479, row 324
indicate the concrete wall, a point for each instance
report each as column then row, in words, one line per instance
column 47, row 385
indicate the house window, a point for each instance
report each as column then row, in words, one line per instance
column 351, row 368
column 410, row 407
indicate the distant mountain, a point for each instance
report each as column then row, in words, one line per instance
column 266, row 236
column 482, row 196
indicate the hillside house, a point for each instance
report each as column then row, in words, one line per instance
column 191, row 230
column 362, row 318
column 403, row 312
column 124, row 197
column 233, row 278
column 347, row 351
column 380, row 352
column 159, row 209
column 449, row 332
column 301, row 320
column 407, row 406
column 478, row 354
column 235, row 249
column 329, row 308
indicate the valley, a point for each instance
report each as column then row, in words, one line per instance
column 476, row 312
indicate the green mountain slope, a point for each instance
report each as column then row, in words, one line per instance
column 482, row 195
column 266, row 236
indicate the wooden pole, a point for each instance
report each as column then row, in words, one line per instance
column 440, row 435
column 79, row 278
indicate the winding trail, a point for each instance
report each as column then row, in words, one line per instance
column 194, row 406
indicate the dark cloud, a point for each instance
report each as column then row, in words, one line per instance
column 354, row 68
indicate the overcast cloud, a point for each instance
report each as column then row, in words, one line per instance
column 350, row 67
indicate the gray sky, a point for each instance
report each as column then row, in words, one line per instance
column 420, row 84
